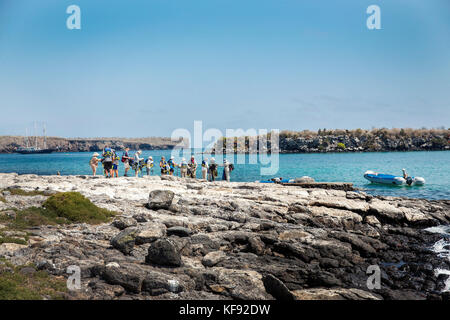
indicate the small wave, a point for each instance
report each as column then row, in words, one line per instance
column 442, row 248
column 438, row 272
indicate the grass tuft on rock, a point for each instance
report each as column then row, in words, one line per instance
column 61, row 208
column 2, row 199
column 21, row 192
column 76, row 208
column 26, row 283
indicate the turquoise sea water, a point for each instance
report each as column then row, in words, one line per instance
column 343, row 167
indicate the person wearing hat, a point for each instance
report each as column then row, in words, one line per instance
column 212, row 170
column 227, row 168
column 137, row 162
column 183, row 168
column 149, row 164
column 192, row 168
column 163, row 165
column 172, row 165
column 204, row 168
column 94, row 163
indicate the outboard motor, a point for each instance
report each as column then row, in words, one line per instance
column 409, row 181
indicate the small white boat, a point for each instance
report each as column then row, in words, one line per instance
column 376, row 177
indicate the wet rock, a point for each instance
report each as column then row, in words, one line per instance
column 160, row 199
column 163, row 252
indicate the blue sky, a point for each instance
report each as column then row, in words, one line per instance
column 146, row 67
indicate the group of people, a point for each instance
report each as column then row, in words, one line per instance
column 110, row 161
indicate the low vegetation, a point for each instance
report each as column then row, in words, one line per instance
column 61, row 208
column 21, row 192
column 27, row 283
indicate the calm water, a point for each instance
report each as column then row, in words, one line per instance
column 345, row 167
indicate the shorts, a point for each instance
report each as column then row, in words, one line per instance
column 107, row 165
column 127, row 165
column 115, row 167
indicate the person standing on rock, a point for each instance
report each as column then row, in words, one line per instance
column 227, row 168
column 163, row 166
column 183, row 168
column 212, row 172
column 94, row 163
column 172, row 165
column 149, row 165
column 115, row 168
column 192, row 168
column 107, row 161
column 137, row 163
column 126, row 161
column 204, row 168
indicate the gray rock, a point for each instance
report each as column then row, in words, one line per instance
column 150, row 233
column 213, row 258
column 160, row 199
column 125, row 240
column 277, row 288
column 179, row 231
column 157, row 283
column 164, row 253
column 131, row 281
column 304, row 179
column 123, row 223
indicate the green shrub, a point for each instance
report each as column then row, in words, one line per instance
column 61, row 208
column 76, row 208
column 15, row 285
column 2, row 199
column 341, row 146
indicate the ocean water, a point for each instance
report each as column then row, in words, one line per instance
column 334, row 167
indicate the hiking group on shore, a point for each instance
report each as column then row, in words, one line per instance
column 187, row 169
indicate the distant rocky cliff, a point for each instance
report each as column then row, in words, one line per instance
column 349, row 141
column 8, row 144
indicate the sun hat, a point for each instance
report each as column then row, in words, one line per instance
column 95, row 154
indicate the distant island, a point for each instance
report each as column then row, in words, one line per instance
column 9, row 144
column 338, row 140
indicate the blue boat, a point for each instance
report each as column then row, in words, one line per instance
column 376, row 177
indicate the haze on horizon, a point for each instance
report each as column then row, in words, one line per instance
column 147, row 67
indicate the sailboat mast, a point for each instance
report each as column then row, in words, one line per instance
column 35, row 135
column 45, row 138
column 27, row 142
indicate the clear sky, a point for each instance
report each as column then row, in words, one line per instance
column 142, row 68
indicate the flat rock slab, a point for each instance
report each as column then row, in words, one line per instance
column 345, row 186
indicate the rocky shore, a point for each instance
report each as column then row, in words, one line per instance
column 8, row 144
column 376, row 140
column 189, row 239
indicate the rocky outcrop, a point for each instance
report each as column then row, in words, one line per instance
column 232, row 240
column 8, row 144
column 346, row 141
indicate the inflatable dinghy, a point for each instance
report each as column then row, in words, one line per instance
column 277, row 181
column 393, row 180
